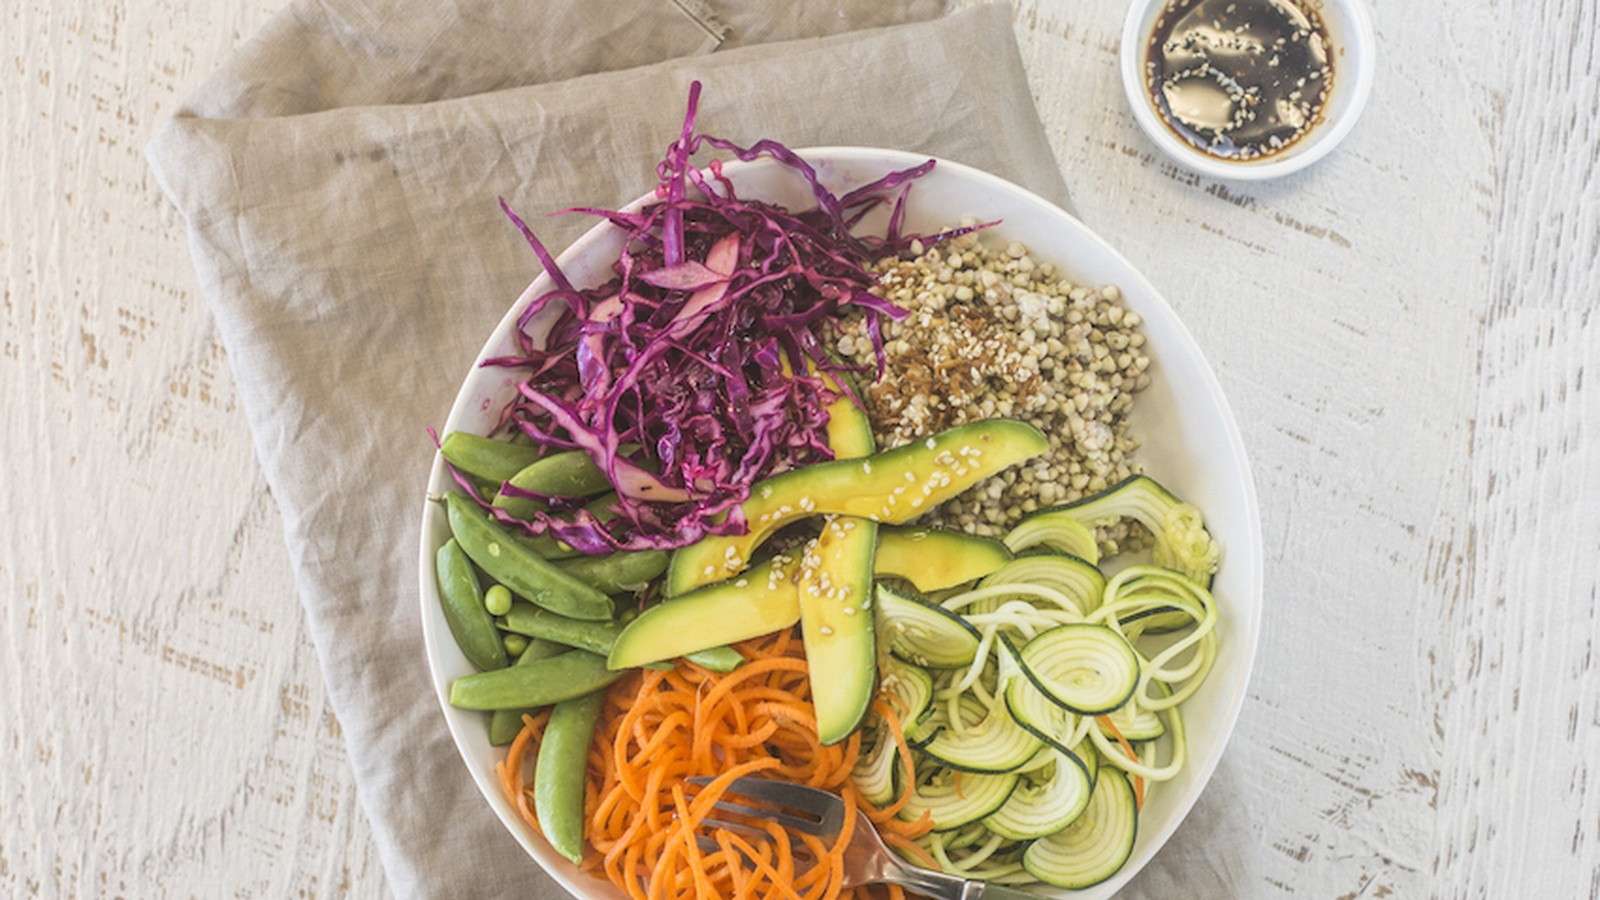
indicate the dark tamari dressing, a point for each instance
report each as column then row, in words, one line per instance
column 1239, row 79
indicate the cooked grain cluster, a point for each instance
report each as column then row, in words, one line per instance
column 992, row 332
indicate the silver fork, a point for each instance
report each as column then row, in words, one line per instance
column 867, row 860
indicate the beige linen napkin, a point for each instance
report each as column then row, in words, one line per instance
column 339, row 179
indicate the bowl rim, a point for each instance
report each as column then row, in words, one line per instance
column 1354, row 24
column 1245, row 642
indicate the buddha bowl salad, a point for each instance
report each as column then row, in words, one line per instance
column 861, row 512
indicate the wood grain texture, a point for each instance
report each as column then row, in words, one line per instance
column 165, row 728
column 1312, row 296
column 1520, row 729
column 1404, row 332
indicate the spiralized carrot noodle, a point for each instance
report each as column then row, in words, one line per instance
column 659, row 728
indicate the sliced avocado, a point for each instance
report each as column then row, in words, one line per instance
column 894, row 487
column 760, row 601
column 849, row 429
column 843, row 672
column 934, row 559
column 835, row 592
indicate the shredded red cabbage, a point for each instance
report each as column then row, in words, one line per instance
column 670, row 375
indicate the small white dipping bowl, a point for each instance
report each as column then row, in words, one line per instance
column 1191, row 444
column 1351, row 51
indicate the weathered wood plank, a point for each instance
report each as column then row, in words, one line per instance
column 1404, row 332
column 1520, row 723
column 166, row 731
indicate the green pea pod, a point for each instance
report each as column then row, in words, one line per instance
column 717, row 659
column 543, row 545
column 567, row 474
column 525, row 572
column 597, row 637
column 539, row 683
column 624, row 572
column 505, row 724
column 552, row 549
column 461, row 598
column 558, row 774
column 527, row 619
column 486, row 458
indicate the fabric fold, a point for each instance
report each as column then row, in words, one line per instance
column 340, row 182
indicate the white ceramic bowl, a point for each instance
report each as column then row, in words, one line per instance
column 1352, row 49
column 1192, row 444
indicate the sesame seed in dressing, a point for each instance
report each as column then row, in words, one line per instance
column 1218, row 88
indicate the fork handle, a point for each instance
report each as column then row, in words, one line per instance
column 951, row 887
column 986, row 891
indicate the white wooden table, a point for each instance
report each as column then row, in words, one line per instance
column 1405, row 331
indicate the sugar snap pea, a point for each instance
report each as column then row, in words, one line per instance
column 717, row 659
column 461, row 600
column 533, row 621
column 597, row 637
column 526, row 573
column 558, row 774
column 504, row 724
column 570, row 473
column 544, row 545
column 492, row 460
column 539, row 683
column 623, row 572
column 552, row 549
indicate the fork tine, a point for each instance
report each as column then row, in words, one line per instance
column 825, row 811
column 708, row 845
column 743, row 829
column 757, row 813
column 756, row 836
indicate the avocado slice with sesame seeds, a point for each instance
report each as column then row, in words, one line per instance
column 760, row 601
column 835, row 591
column 835, row 587
column 934, row 559
column 892, row 487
